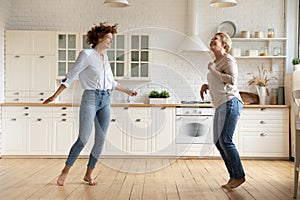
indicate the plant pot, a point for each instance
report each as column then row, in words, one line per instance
column 297, row 67
column 158, row 100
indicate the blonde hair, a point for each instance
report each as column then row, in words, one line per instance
column 226, row 40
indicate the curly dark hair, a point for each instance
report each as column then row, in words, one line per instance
column 99, row 31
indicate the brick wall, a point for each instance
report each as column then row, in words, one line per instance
column 185, row 72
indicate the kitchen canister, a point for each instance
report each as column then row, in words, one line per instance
column 245, row 34
column 280, row 96
column 273, row 96
column 271, row 33
column 235, row 52
column 258, row 34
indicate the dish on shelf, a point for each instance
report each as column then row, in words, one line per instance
column 227, row 27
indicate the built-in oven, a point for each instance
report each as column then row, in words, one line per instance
column 194, row 125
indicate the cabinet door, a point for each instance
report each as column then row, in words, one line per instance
column 43, row 42
column 18, row 72
column 13, row 136
column 163, row 130
column 18, row 42
column 64, row 135
column 115, row 143
column 43, row 70
column 39, row 136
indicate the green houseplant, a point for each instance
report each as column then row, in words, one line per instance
column 159, row 97
column 296, row 63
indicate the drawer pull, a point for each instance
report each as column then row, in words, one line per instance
column 26, row 108
column 13, row 119
column 262, row 122
column 17, row 56
column 113, row 120
column 42, row 56
column 16, row 93
column 64, row 108
column 64, row 120
column 263, row 134
column 64, row 114
column 163, row 108
column 138, row 120
column 126, row 108
column 17, row 99
column 262, row 109
column 42, row 93
column 39, row 119
column 41, row 99
column 26, row 114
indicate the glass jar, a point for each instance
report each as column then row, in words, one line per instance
column 273, row 96
column 271, row 33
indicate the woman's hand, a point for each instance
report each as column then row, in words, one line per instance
column 50, row 99
column 132, row 93
column 203, row 90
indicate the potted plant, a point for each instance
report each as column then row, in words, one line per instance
column 159, row 97
column 296, row 63
column 261, row 82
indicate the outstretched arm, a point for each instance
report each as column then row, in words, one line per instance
column 55, row 95
column 126, row 90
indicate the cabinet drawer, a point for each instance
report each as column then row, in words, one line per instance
column 264, row 113
column 269, row 126
column 15, row 93
column 17, row 99
column 26, row 111
column 130, row 113
column 263, row 146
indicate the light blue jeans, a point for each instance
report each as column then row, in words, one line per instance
column 94, row 109
column 225, row 121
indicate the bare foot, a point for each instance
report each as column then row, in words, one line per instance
column 89, row 180
column 61, row 179
column 237, row 182
column 228, row 184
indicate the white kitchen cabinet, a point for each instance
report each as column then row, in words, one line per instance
column 65, row 129
column 163, row 130
column 139, row 138
column 264, row 132
column 116, row 138
column 26, row 130
column 30, row 66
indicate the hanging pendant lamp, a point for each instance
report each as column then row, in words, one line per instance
column 116, row 3
column 222, row 3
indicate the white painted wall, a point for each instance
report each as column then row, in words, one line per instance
column 185, row 73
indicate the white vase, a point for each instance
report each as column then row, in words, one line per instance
column 262, row 93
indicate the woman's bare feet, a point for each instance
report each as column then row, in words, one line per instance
column 234, row 183
column 88, row 177
column 89, row 180
column 227, row 185
column 62, row 177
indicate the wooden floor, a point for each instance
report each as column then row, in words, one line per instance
column 144, row 179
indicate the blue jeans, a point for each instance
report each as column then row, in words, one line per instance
column 94, row 109
column 225, row 121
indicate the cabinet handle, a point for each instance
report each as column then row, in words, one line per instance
column 26, row 108
column 64, row 114
column 138, row 120
column 39, row 119
column 64, row 108
column 42, row 56
column 17, row 99
column 16, row 93
column 126, row 108
column 64, row 120
column 17, row 56
column 13, row 119
column 42, row 93
column 262, row 109
column 262, row 122
column 163, row 108
column 41, row 99
column 113, row 120
column 263, row 134
column 26, row 114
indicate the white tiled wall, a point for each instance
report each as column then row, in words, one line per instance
column 182, row 74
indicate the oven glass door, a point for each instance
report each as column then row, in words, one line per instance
column 194, row 129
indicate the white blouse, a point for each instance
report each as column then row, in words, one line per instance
column 92, row 71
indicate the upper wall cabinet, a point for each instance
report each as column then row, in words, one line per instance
column 68, row 48
column 30, row 42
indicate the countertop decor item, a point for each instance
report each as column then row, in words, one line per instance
column 116, row 3
column 249, row 98
column 227, row 27
column 296, row 63
column 222, row 3
column 159, row 97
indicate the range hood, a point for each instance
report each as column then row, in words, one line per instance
column 192, row 42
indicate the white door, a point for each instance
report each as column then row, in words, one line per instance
column 44, row 42
column 13, row 136
column 43, row 70
column 18, row 42
column 18, row 72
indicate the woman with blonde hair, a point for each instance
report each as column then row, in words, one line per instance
column 222, row 85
